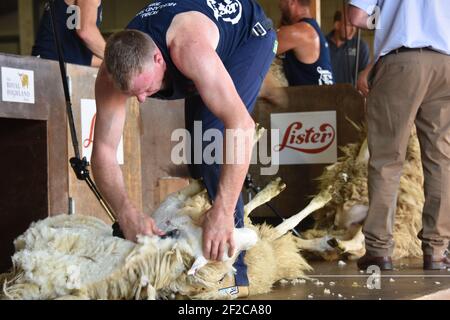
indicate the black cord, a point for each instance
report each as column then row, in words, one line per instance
column 250, row 185
column 78, row 165
column 62, row 68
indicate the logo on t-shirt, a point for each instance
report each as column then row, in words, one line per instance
column 326, row 77
column 154, row 8
column 228, row 10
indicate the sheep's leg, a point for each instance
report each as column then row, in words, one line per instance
column 327, row 244
column 194, row 187
column 318, row 202
column 363, row 155
column 199, row 263
column 315, row 245
column 259, row 131
column 244, row 239
column 268, row 193
column 354, row 245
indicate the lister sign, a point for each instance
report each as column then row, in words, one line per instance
column 305, row 137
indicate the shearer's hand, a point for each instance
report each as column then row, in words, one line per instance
column 135, row 223
column 218, row 227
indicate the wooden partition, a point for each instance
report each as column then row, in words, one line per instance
column 34, row 138
column 159, row 174
column 301, row 179
column 148, row 170
column 82, row 80
column 33, row 148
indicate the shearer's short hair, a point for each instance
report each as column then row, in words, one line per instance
column 305, row 3
column 127, row 53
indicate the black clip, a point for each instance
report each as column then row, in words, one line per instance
column 117, row 232
column 258, row 30
column 79, row 166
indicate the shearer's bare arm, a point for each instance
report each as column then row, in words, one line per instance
column 302, row 38
column 110, row 120
column 88, row 31
column 358, row 17
column 192, row 40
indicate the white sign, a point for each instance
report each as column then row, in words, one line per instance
column 88, row 114
column 17, row 85
column 305, row 137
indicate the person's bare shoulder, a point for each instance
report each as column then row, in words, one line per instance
column 192, row 26
column 306, row 32
column 97, row 3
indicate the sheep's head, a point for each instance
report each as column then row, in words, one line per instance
column 184, row 211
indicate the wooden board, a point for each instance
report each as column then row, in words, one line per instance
column 159, row 119
column 33, row 143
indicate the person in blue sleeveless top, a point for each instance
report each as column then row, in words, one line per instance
column 77, row 24
column 306, row 54
column 215, row 55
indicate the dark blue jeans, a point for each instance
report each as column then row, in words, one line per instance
column 247, row 67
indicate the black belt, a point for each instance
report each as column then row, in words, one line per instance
column 261, row 28
column 406, row 49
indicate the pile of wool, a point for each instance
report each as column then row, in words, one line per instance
column 348, row 178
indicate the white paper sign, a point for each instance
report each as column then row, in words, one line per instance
column 88, row 110
column 305, row 137
column 17, row 85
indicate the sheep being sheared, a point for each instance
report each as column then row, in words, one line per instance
column 274, row 82
column 338, row 230
column 77, row 257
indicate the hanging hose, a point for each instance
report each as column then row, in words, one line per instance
column 78, row 164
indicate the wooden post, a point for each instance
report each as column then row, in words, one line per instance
column 83, row 84
column 26, row 26
column 132, row 149
column 315, row 10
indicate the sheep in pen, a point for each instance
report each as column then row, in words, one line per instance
column 337, row 231
column 68, row 257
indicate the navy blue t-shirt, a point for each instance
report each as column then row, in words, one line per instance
column 318, row 73
column 234, row 19
column 343, row 59
column 74, row 50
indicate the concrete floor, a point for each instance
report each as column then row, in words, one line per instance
column 330, row 281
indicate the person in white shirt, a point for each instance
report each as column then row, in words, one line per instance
column 410, row 85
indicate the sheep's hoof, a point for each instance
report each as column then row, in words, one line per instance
column 175, row 234
column 334, row 243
